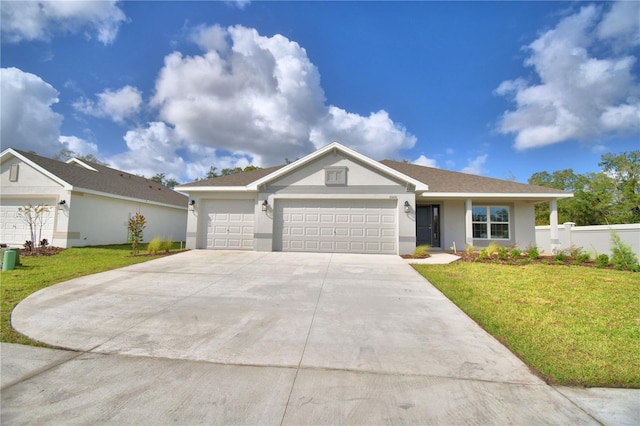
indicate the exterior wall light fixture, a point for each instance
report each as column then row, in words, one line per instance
column 407, row 207
column 62, row 203
column 192, row 205
column 265, row 205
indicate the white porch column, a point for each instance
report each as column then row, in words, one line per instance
column 553, row 221
column 468, row 223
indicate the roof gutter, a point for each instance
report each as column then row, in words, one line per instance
column 511, row 195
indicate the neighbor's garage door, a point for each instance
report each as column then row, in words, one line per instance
column 230, row 224
column 14, row 230
column 336, row 226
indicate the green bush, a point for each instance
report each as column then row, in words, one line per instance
column 166, row 245
column 492, row 248
column 602, row 261
column 516, row 253
column 583, row 257
column 533, row 253
column 422, row 251
column 622, row 256
column 560, row 257
column 503, row 253
column 154, row 245
column 483, row 254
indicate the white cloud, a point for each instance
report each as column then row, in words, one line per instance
column 27, row 121
column 622, row 22
column 578, row 96
column 78, row 145
column 40, row 20
column 260, row 97
column 157, row 148
column 474, row 166
column 151, row 150
column 116, row 105
column 425, row 161
column 240, row 4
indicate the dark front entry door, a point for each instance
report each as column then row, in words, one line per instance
column 428, row 225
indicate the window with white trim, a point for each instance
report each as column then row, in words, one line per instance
column 490, row 222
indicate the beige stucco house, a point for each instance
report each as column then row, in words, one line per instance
column 90, row 204
column 338, row 200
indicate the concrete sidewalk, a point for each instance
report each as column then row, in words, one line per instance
column 272, row 338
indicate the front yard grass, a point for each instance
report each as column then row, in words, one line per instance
column 573, row 325
column 38, row 272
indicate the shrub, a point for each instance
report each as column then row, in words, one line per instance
column 468, row 249
column 622, row 256
column 154, row 246
column 583, row 257
column 422, row 251
column 516, row 253
column 533, row 253
column 492, row 248
column 136, row 226
column 167, row 245
column 483, row 254
column 560, row 257
column 575, row 252
column 602, row 261
column 503, row 253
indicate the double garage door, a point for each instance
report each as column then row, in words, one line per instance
column 333, row 226
column 336, row 226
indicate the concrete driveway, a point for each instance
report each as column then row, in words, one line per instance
column 268, row 338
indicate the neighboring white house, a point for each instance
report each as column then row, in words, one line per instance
column 338, row 200
column 90, row 204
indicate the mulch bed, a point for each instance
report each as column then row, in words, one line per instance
column 41, row 251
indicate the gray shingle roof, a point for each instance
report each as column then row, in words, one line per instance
column 439, row 180
column 238, row 179
column 108, row 180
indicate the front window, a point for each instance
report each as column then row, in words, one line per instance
column 490, row 222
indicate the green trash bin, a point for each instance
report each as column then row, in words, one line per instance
column 9, row 260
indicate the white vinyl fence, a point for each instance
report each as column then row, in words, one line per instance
column 591, row 239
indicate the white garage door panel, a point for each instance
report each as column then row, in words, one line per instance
column 336, row 226
column 14, row 230
column 230, row 225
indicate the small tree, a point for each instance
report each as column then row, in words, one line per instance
column 35, row 217
column 137, row 224
column 622, row 255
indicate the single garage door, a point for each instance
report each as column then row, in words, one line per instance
column 230, row 224
column 336, row 226
column 14, row 230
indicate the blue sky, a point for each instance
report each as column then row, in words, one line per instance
column 500, row 89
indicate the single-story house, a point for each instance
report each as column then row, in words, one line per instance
column 89, row 204
column 338, row 200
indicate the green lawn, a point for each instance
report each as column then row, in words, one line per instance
column 573, row 325
column 40, row 272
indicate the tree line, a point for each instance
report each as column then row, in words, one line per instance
column 611, row 196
